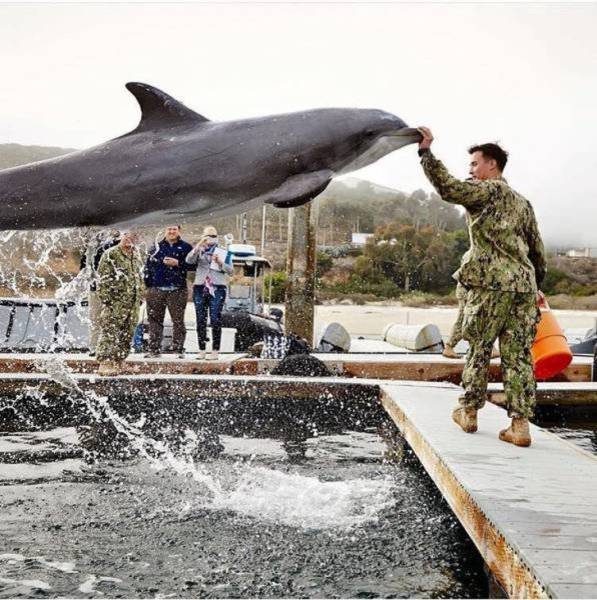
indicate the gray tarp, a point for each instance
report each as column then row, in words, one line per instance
column 43, row 325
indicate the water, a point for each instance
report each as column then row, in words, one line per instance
column 325, row 516
column 577, row 425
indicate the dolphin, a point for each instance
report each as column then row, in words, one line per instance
column 177, row 165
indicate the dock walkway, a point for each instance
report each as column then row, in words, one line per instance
column 531, row 512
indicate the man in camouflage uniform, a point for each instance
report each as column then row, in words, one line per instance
column 502, row 273
column 119, row 289
column 456, row 333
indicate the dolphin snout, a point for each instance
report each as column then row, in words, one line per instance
column 412, row 133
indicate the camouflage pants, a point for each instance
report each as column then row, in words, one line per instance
column 512, row 317
column 117, row 324
column 456, row 334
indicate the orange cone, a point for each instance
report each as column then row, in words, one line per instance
column 550, row 350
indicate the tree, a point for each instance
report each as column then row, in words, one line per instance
column 412, row 257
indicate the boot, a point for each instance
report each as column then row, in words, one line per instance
column 449, row 352
column 466, row 418
column 108, row 368
column 518, row 433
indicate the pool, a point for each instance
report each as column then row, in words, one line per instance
column 329, row 512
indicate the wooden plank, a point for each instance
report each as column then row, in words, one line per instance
column 399, row 367
column 501, row 494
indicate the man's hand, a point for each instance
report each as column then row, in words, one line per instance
column 170, row 262
column 540, row 298
column 218, row 260
column 427, row 140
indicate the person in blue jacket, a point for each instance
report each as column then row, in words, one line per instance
column 166, row 281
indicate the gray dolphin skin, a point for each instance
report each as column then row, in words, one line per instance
column 177, row 165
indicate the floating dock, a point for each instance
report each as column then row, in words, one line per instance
column 394, row 366
column 530, row 511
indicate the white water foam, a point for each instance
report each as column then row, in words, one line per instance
column 65, row 567
column 306, row 502
column 36, row 584
column 88, row 586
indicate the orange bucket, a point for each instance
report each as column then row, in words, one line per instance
column 550, row 350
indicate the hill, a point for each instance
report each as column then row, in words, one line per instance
column 13, row 155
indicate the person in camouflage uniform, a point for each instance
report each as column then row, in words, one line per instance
column 501, row 274
column 456, row 333
column 119, row 289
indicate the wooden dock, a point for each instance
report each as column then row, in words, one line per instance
column 531, row 512
column 394, row 366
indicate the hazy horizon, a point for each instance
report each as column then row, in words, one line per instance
column 523, row 75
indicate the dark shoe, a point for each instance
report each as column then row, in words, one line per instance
column 518, row 433
column 151, row 354
column 466, row 418
column 181, row 354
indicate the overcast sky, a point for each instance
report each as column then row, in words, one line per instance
column 521, row 74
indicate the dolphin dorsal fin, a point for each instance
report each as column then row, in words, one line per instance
column 159, row 110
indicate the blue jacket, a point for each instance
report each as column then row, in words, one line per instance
column 157, row 274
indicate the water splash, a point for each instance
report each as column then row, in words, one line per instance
column 307, row 502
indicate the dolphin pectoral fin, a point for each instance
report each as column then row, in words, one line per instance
column 299, row 189
column 159, row 110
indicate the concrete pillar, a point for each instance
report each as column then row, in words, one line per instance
column 300, row 269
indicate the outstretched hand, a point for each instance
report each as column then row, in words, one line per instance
column 427, row 140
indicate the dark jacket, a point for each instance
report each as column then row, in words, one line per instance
column 157, row 274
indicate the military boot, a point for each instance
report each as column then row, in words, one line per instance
column 466, row 418
column 108, row 368
column 449, row 352
column 518, row 433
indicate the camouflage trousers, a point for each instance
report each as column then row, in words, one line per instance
column 117, row 324
column 512, row 318
column 456, row 333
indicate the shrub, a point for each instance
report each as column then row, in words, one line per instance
column 278, row 280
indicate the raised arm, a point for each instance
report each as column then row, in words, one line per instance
column 469, row 194
column 195, row 256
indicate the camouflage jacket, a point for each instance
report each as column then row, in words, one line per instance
column 506, row 250
column 120, row 277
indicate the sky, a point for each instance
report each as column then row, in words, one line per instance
column 524, row 75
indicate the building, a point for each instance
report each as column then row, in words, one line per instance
column 360, row 239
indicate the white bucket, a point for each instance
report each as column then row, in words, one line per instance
column 417, row 338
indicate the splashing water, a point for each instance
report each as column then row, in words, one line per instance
column 257, row 492
column 306, row 502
